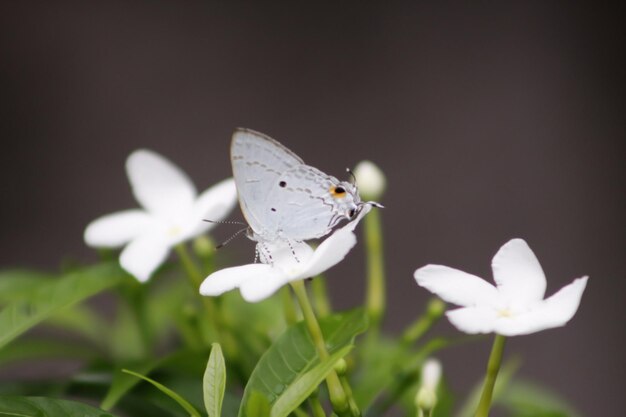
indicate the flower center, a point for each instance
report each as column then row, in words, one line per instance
column 174, row 231
column 505, row 312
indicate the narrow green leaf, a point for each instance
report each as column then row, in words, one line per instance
column 21, row 315
column 123, row 382
column 293, row 354
column 173, row 395
column 302, row 387
column 46, row 407
column 184, row 361
column 20, row 283
column 214, row 382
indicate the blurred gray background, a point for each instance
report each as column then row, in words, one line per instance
column 491, row 121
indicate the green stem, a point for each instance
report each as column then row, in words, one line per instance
column 316, row 405
column 375, row 296
column 135, row 297
column 215, row 320
column 289, row 308
column 336, row 392
column 320, row 296
column 354, row 408
column 434, row 311
column 195, row 278
column 492, row 373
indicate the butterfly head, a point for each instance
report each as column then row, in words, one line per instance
column 346, row 199
column 346, row 196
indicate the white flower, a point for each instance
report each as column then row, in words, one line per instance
column 515, row 306
column 289, row 262
column 370, row 179
column 173, row 213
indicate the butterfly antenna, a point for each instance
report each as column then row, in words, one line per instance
column 227, row 241
column 352, row 176
column 224, row 222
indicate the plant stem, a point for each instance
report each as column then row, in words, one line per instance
column 375, row 297
column 493, row 366
column 320, row 296
column 215, row 320
column 195, row 278
column 291, row 317
column 354, row 408
column 316, row 405
column 434, row 311
column 336, row 392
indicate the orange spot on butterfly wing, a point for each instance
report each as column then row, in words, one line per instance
column 337, row 192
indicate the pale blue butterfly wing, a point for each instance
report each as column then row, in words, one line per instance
column 283, row 198
column 302, row 203
column 258, row 161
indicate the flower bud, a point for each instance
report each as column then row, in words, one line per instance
column 203, row 246
column 341, row 366
column 427, row 394
column 370, row 179
column 436, row 307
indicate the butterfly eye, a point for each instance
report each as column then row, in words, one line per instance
column 337, row 192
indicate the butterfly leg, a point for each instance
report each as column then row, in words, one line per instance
column 264, row 254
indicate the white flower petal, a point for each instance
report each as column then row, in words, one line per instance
column 228, row 279
column 456, row 286
column 116, row 229
column 332, row 250
column 262, row 286
column 329, row 253
column 159, row 185
column 143, row 256
column 554, row 311
column 213, row 204
column 518, row 274
column 290, row 257
column 473, row 319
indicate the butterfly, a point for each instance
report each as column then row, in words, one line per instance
column 284, row 199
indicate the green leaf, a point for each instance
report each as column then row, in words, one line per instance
column 214, row 382
column 293, row 355
column 82, row 320
column 123, row 382
column 46, row 407
column 257, row 405
column 173, row 395
column 20, row 283
column 183, row 362
column 524, row 398
column 302, row 387
column 382, row 362
column 29, row 349
column 21, row 315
